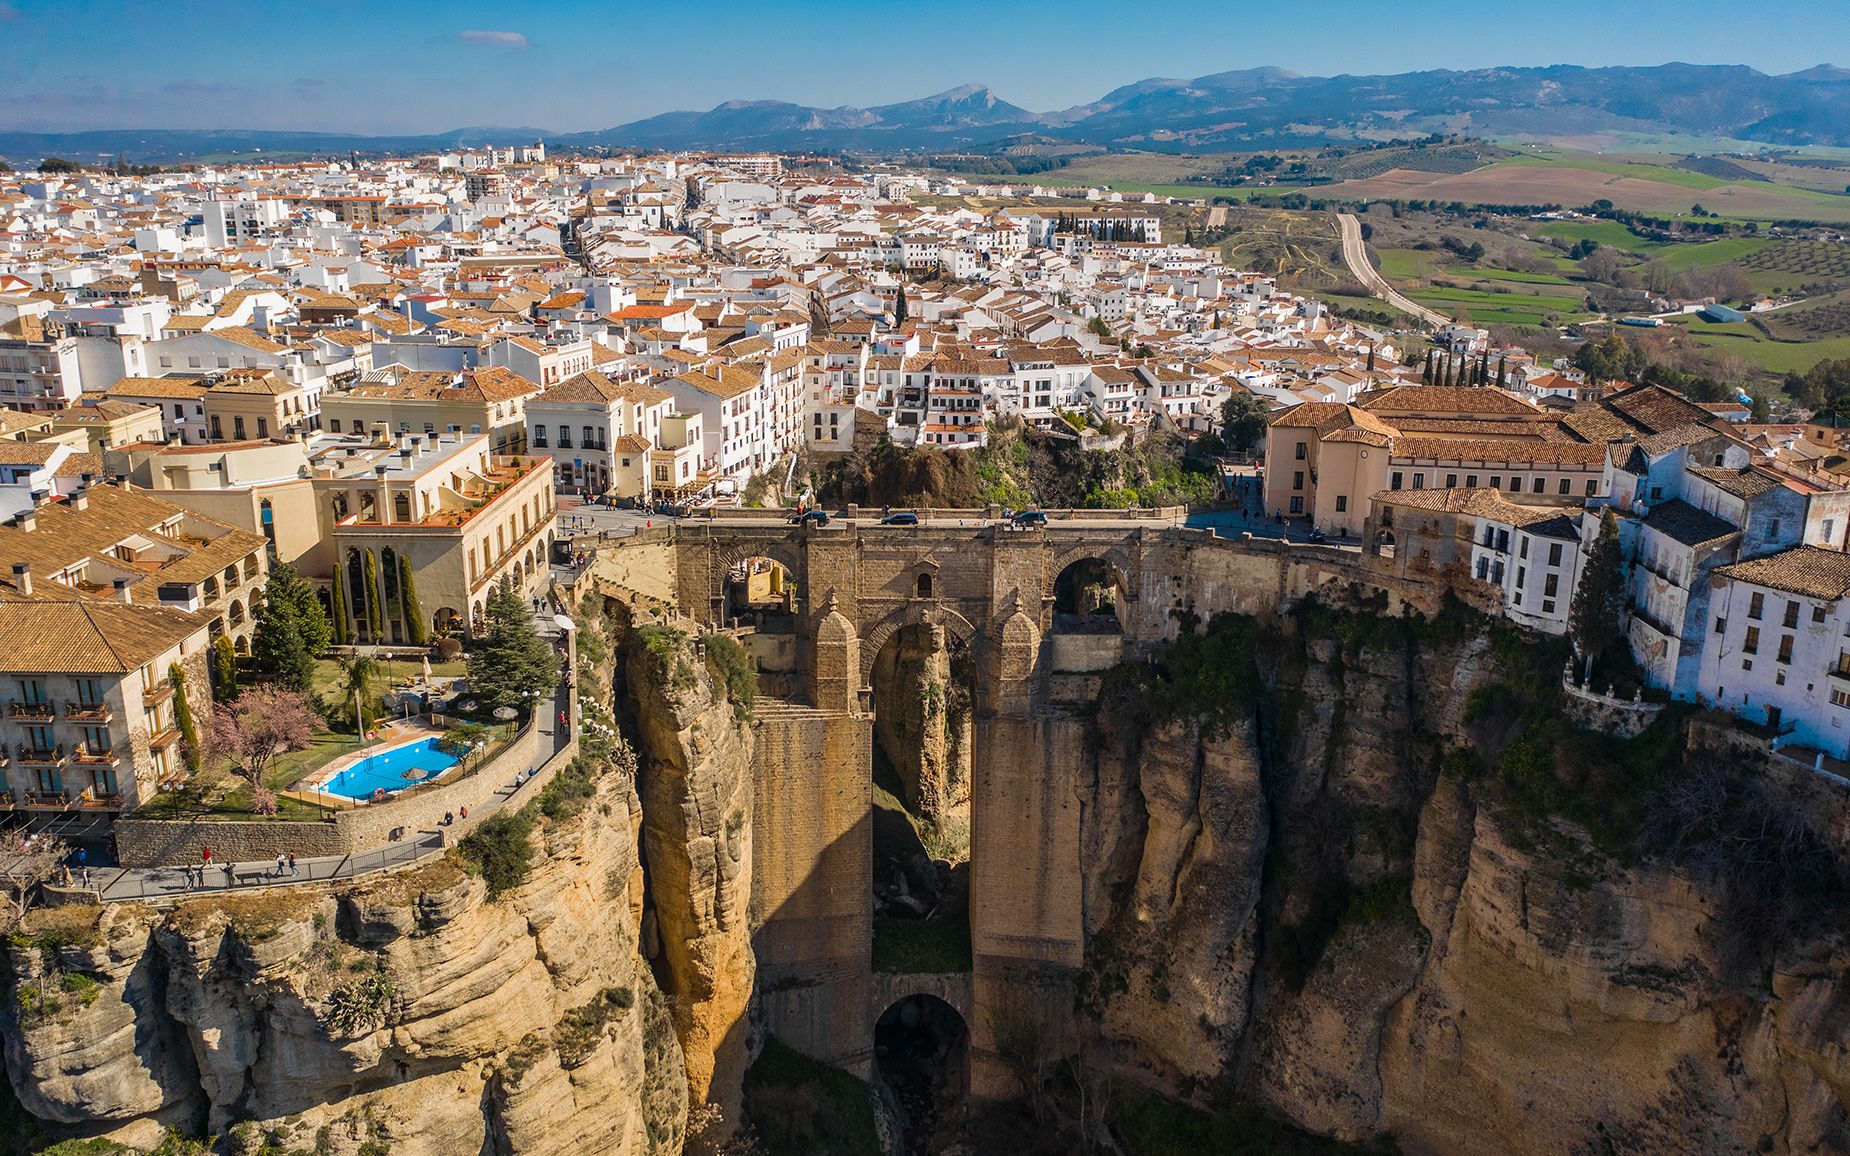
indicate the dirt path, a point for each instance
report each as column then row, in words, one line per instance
column 1355, row 255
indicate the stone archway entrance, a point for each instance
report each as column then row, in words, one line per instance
column 922, row 1053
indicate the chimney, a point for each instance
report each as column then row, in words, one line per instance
column 29, row 521
column 122, row 591
column 385, row 495
column 80, row 500
column 22, row 577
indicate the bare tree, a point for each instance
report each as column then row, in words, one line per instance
column 26, row 863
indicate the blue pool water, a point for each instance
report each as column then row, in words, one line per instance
column 387, row 771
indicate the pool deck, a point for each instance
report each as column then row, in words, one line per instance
column 390, row 737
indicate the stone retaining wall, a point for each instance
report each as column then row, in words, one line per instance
column 173, row 842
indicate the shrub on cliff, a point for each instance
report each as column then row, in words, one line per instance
column 734, row 670
column 500, row 850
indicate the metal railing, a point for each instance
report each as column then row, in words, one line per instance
column 117, row 884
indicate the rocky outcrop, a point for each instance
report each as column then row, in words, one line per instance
column 695, row 777
column 922, row 721
column 1303, row 908
column 412, row 1010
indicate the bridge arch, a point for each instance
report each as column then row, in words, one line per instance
column 723, row 561
column 872, row 640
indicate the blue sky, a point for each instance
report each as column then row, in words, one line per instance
column 383, row 67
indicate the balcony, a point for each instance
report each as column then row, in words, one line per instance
column 88, row 711
column 84, row 755
column 163, row 738
column 58, row 800
column 36, row 710
column 41, row 756
column 158, row 695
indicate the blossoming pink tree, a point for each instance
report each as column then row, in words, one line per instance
column 254, row 728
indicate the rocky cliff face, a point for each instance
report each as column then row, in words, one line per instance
column 412, row 1011
column 1298, row 906
column 695, row 776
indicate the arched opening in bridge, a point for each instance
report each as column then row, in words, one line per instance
column 760, row 592
column 921, row 1048
column 1089, row 597
column 922, row 681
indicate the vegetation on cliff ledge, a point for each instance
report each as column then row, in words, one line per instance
column 803, row 1107
column 1019, row 467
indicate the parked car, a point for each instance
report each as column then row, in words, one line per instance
column 1027, row 518
column 900, row 520
column 810, row 518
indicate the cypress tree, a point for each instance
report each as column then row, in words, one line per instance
column 900, row 311
column 1371, row 359
column 183, row 718
column 1483, row 366
column 375, row 597
column 415, row 628
column 1503, row 373
column 339, row 601
column 1426, row 371
column 1596, row 620
column 224, row 669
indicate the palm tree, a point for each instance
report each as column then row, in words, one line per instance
column 357, row 676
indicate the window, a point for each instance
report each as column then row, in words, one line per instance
column 1755, row 605
column 1772, row 529
column 1551, row 585
column 1394, row 482
column 1503, row 541
column 1541, row 485
column 1817, row 613
column 1297, row 479
column 1451, row 480
column 1657, row 492
column 1792, row 615
column 587, row 439
column 1751, row 644
column 1419, row 481
column 565, row 437
column 1496, row 481
column 1554, row 553
column 263, row 427
column 1829, row 524
column 1483, row 569
column 1302, row 451
column 1567, row 486
column 1342, row 503
column 1471, row 481
column 1785, row 648
column 1840, row 697
column 1548, row 606
column 1522, row 546
column 237, row 428
column 539, row 436
column 1515, row 484
column 333, row 425
column 1522, row 576
column 1721, row 626
column 1297, row 505
column 1592, row 486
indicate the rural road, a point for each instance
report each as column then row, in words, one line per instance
column 1355, row 254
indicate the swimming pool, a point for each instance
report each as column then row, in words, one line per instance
column 386, row 771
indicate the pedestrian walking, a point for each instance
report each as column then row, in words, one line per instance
column 282, row 861
column 205, row 854
column 465, row 812
column 293, row 870
column 86, row 875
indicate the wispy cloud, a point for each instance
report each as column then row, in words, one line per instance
column 515, row 40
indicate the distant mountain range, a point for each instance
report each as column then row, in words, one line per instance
column 1259, row 108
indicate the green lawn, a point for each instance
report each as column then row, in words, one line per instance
column 1609, row 233
column 1544, row 302
column 1773, row 356
column 1514, row 275
column 1402, row 263
column 1706, row 253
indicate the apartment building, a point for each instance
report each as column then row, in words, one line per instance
column 490, row 401
column 243, row 404
column 89, row 722
column 585, row 423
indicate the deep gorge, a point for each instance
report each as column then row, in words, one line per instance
column 1342, row 876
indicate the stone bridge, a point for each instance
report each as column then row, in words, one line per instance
column 842, row 591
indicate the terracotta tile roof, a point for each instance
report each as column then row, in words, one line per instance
column 71, row 635
column 1809, row 570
